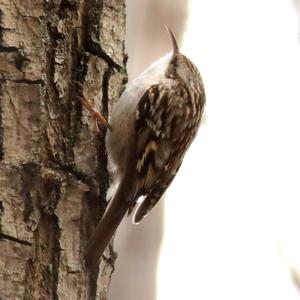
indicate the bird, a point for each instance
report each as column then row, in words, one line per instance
column 150, row 129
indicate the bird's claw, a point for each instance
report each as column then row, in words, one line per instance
column 99, row 119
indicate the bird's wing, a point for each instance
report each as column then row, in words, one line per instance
column 157, row 123
column 153, row 196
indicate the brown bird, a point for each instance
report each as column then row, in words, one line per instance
column 152, row 126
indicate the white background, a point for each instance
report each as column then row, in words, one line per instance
column 235, row 201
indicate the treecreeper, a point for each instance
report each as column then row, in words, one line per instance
column 149, row 131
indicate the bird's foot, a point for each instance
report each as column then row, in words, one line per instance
column 89, row 104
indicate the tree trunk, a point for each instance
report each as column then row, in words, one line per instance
column 53, row 173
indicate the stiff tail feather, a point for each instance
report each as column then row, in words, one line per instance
column 109, row 223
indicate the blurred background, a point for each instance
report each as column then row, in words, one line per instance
column 228, row 227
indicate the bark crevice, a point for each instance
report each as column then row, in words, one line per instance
column 1, row 127
column 52, row 183
column 14, row 239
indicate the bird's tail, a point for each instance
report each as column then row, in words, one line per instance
column 108, row 224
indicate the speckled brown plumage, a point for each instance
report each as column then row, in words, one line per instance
column 153, row 125
column 168, row 117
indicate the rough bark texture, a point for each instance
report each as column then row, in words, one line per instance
column 53, row 175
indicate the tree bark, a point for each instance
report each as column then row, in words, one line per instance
column 53, row 165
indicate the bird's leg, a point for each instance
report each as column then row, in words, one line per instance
column 98, row 118
column 95, row 114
